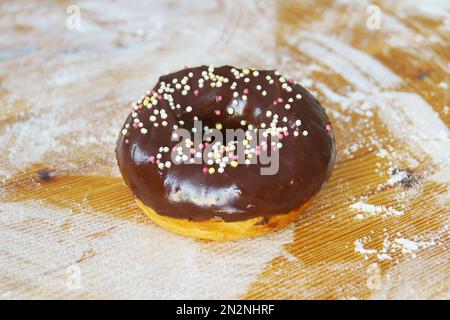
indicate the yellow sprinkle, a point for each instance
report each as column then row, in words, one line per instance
column 245, row 142
column 219, row 126
column 246, row 71
column 211, row 170
column 234, row 164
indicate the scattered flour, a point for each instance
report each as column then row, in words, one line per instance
column 122, row 259
column 366, row 209
column 397, row 245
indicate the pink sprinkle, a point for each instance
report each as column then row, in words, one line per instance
column 152, row 159
column 328, row 127
column 217, row 112
column 196, row 92
column 205, row 170
column 159, row 97
column 280, row 136
column 280, row 100
column 135, row 125
column 291, row 80
column 192, row 150
column 206, row 144
column 235, row 157
column 219, row 98
column 274, row 102
column 286, row 133
column 127, row 141
column 230, row 154
column 257, row 152
column 246, row 91
column 201, row 146
column 158, row 161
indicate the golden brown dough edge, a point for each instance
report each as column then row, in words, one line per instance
column 219, row 230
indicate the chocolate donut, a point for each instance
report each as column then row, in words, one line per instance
column 226, row 190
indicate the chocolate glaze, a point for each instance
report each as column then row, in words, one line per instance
column 184, row 191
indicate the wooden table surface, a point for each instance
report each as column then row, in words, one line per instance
column 69, row 227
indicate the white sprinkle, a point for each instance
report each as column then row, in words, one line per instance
column 188, row 109
column 144, row 131
column 305, row 133
column 298, row 122
column 230, row 110
column 298, row 96
column 268, row 113
column 124, row 131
